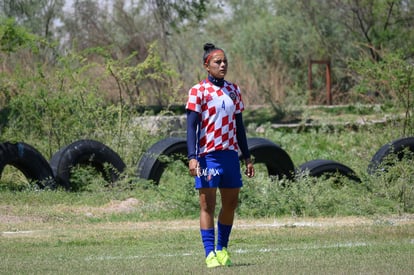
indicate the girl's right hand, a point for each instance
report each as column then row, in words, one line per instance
column 194, row 167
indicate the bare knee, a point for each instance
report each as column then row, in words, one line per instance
column 207, row 207
column 207, row 201
column 229, row 199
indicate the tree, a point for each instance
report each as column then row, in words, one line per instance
column 379, row 24
column 291, row 32
column 129, row 25
column 128, row 28
column 14, row 37
column 273, row 45
column 37, row 16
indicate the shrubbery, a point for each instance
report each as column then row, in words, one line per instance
column 51, row 105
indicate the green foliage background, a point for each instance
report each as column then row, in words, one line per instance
column 90, row 76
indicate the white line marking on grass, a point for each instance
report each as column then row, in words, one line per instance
column 237, row 251
column 104, row 258
column 312, row 247
column 18, row 232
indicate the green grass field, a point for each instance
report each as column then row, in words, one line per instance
column 309, row 226
column 266, row 246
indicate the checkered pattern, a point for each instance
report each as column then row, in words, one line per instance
column 217, row 107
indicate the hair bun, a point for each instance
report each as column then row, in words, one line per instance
column 209, row 46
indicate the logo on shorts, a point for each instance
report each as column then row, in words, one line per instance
column 209, row 173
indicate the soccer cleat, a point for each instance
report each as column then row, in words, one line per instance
column 211, row 260
column 223, row 257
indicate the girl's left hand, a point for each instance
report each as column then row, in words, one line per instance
column 249, row 169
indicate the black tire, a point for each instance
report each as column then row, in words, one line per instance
column 381, row 160
column 85, row 153
column 323, row 167
column 277, row 160
column 151, row 167
column 29, row 161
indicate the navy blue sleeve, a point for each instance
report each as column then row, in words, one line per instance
column 193, row 119
column 241, row 136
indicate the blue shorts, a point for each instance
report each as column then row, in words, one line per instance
column 219, row 169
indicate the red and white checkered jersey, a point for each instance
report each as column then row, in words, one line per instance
column 217, row 107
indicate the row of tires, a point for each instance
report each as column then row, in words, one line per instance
column 277, row 161
column 57, row 171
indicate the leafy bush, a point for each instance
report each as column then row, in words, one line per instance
column 391, row 78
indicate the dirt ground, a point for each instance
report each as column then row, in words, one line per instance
column 8, row 219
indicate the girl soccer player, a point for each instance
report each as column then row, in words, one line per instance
column 215, row 133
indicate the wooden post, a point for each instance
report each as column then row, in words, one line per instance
column 327, row 64
column 328, row 83
column 310, row 80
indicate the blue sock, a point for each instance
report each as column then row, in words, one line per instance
column 207, row 236
column 223, row 234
